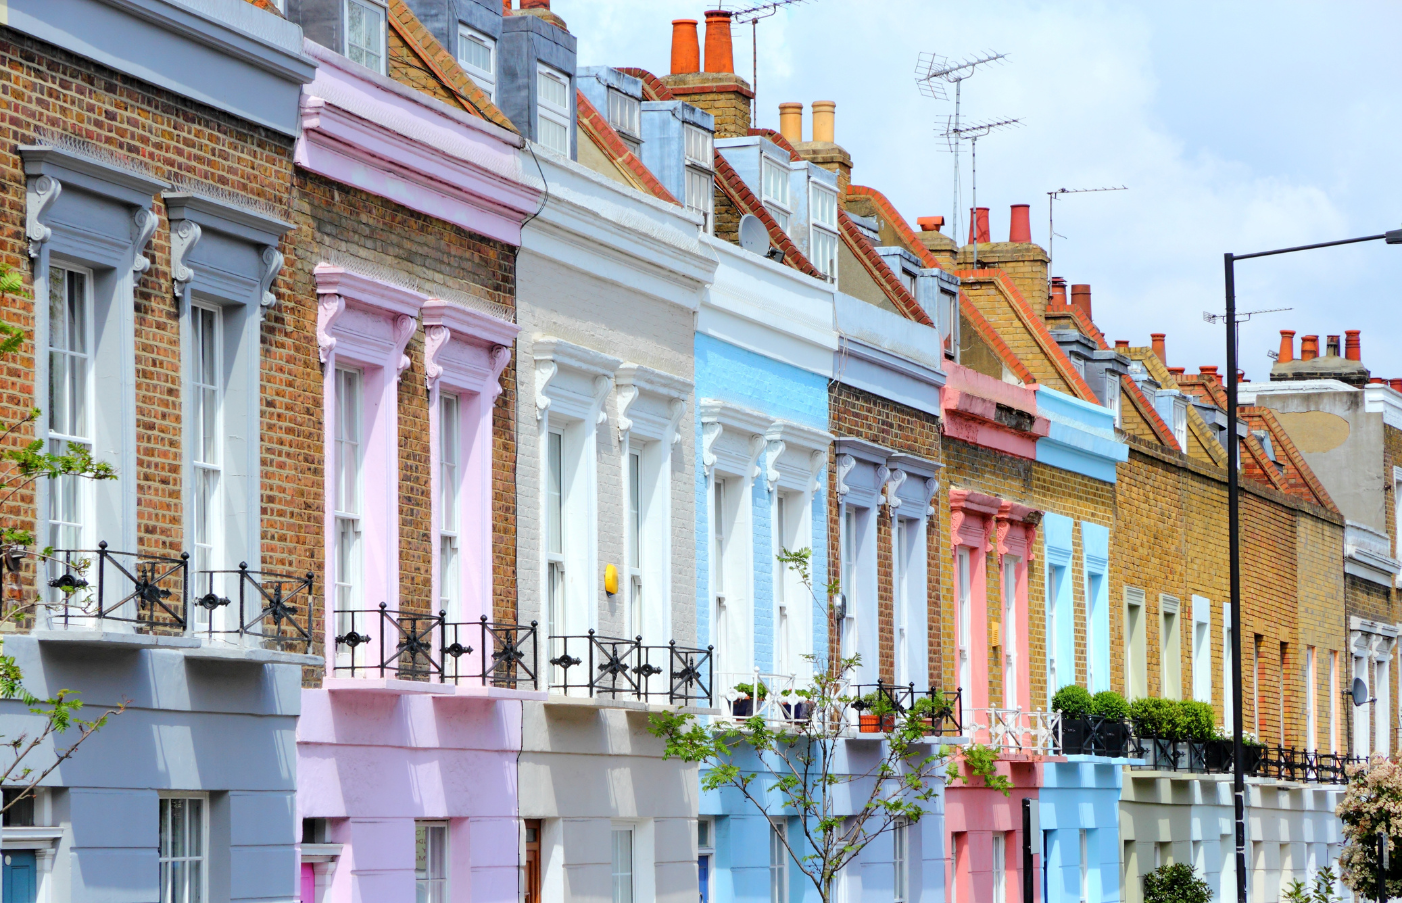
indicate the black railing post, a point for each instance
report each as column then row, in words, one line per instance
column 384, row 616
column 101, row 581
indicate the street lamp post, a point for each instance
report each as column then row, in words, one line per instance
column 1393, row 237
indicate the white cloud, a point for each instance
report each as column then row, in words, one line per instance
column 1234, row 130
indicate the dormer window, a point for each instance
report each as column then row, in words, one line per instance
column 365, row 34
column 822, row 242
column 700, row 180
column 625, row 116
column 553, row 109
column 1112, row 396
column 950, row 304
column 775, row 191
column 477, row 55
column 1180, row 423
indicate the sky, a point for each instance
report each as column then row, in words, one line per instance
column 1235, row 126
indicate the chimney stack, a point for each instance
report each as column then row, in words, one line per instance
column 1177, row 372
column 791, row 122
column 1121, row 344
column 1156, row 340
column 1353, row 345
column 1059, row 293
column 978, row 226
column 1309, row 347
column 720, row 57
column 1080, row 297
column 686, row 47
column 1020, row 231
column 930, row 223
column 1287, row 346
column 1208, row 373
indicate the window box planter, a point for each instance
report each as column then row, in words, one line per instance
column 1092, row 735
column 876, row 724
column 743, row 707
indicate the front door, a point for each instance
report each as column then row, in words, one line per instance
column 21, row 880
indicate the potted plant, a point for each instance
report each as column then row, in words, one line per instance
column 1253, row 752
column 743, row 705
column 1111, row 713
column 876, row 713
column 1157, row 721
column 1073, row 703
column 797, row 704
column 931, row 710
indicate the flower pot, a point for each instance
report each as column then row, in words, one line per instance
column 876, row 724
column 1075, row 736
column 1251, row 759
column 1111, row 738
column 798, row 711
column 743, row 707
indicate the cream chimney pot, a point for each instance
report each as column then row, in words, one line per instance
column 823, row 125
column 791, row 122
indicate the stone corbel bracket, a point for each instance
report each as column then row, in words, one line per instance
column 143, row 227
column 184, row 235
column 39, row 196
column 773, row 447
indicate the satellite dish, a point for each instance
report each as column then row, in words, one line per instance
column 753, row 236
column 1359, row 691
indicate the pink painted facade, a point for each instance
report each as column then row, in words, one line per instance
column 977, row 820
column 380, row 757
column 970, row 401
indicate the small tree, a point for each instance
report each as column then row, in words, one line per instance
column 1372, row 805
column 1176, row 883
column 799, row 767
column 29, row 462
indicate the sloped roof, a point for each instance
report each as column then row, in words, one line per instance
column 596, row 127
column 898, row 223
column 745, row 201
column 876, row 267
column 994, row 341
column 653, row 88
column 441, row 64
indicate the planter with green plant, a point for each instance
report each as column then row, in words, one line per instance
column 876, row 713
column 1073, row 702
column 743, row 705
column 1158, row 724
column 933, row 712
column 1110, row 714
column 797, row 704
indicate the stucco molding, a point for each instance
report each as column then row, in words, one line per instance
column 39, row 196
column 272, row 265
column 592, row 370
column 143, row 228
column 184, row 235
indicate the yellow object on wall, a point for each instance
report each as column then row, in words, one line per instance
column 610, row 580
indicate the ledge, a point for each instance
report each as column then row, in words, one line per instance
column 35, row 838
column 502, row 693
column 253, row 655
column 320, row 852
column 106, row 639
column 387, row 686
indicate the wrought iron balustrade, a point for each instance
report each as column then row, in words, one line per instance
column 266, row 609
column 1215, row 757
column 618, row 668
column 90, row 588
column 686, row 670
column 429, row 647
column 1015, row 730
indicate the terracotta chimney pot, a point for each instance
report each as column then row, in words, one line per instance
column 1395, row 384
column 1353, row 345
column 825, row 121
column 978, row 226
column 535, row 4
column 1058, row 290
column 1287, row 346
column 1080, row 297
column 1177, row 372
column 1156, row 339
column 1241, row 376
column 1208, row 373
column 1377, row 381
column 1021, row 229
column 1309, row 347
column 720, row 57
column 930, row 223
column 686, row 47
column 506, row 7
column 1121, row 344
column 791, row 122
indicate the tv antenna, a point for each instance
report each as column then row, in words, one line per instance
column 971, row 133
column 930, row 71
column 1051, row 219
column 752, row 14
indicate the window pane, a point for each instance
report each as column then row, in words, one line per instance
column 552, row 89
column 555, row 493
column 448, row 433
column 622, row 865
column 824, row 252
column 699, row 146
column 365, row 34
column 776, row 183
column 635, row 520
column 474, row 51
column 625, row 112
column 554, row 135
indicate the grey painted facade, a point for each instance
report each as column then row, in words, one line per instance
column 527, row 41
column 442, row 18
column 664, row 140
column 215, row 724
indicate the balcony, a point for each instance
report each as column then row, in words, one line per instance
column 875, row 709
column 1014, row 731
column 1280, row 763
column 430, row 649
column 601, row 667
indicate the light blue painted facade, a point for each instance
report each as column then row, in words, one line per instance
column 1082, row 438
column 1081, row 795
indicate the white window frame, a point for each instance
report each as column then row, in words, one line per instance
column 372, row 341
column 553, row 113
column 1170, row 647
column 1202, row 649
column 1228, row 678
column 823, row 232
column 1010, row 632
column 623, row 107
column 486, row 79
column 1180, row 423
column 1311, row 701
column 465, row 352
column 778, row 861
column 207, row 519
column 623, row 878
column 1136, row 643
column 862, row 479
column 166, row 891
column 1000, row 867
column 381, row 14
column 76, row 530
column 432, row 888
column 572, row 385
column 348, row 561
column 963, row 624
column 699, row 173
column 449, row 473
column 900, row 863
column 1085, row 865
column 777, row 196
column 1334, row 691
column 1057, row 576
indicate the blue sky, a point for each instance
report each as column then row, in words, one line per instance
column 1237, row 127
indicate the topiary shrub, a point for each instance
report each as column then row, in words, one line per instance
column 1176, row 883
column 1109, row 704
column 1072, row 701
column 1196, row 720
column 1155, row 717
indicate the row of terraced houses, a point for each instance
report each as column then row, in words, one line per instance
column 460, row 399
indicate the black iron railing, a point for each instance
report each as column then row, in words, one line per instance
column 429, row 647
column 617, row 668
column 149, row 592
column 1215, row 757
column 942, row 713
column 267, row 606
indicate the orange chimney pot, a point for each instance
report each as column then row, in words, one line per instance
column 1021, row 229
column 535, row 4
column 1080, row 297
column 1309, row 347
column 1121, row 344
column 1287, row 346
column 686, row 47
column 825, row 121
column 978, row 226
column 1353, row 344
column 1209, row 372
column 1058, row 288
column 720, row 56
column 1395, row 384
column 1177, row 372
column 1156, row 339
column 930, row 223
